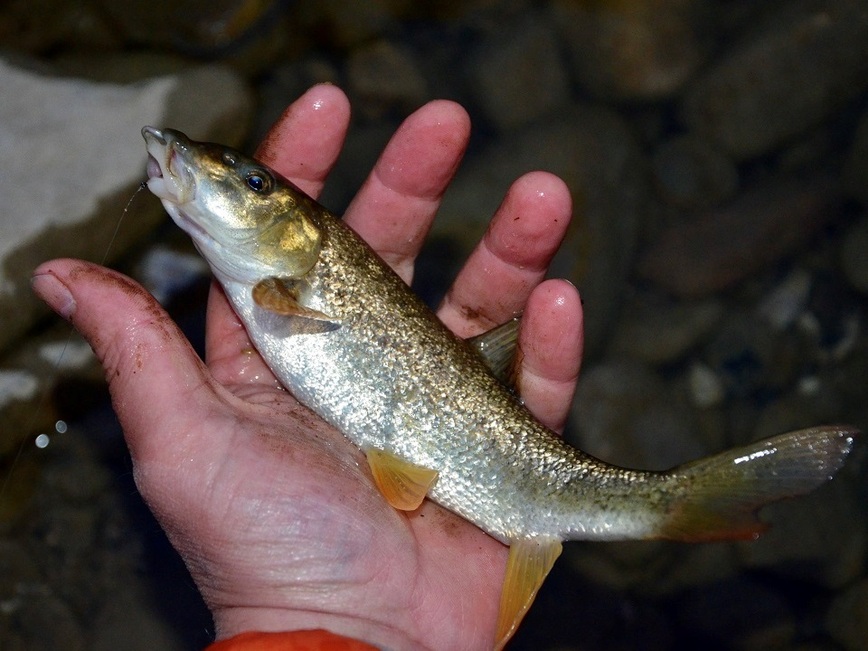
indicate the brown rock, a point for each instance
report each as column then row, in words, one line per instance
column 721, row 247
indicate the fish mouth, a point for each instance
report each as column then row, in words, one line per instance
column 170, row 177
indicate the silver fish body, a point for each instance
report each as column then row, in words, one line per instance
column 350, row 340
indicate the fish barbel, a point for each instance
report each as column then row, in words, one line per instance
column 347, row 337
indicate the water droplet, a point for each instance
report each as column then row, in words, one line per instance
column 42, row 441
column 60, row 426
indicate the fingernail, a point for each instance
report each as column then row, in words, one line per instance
column 55, row 293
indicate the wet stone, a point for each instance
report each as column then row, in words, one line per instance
column 721, row 247
column 846, row 621
column 854, row 255
column 49, row 212
column 656, row 330
column 626, row 415
column 692, row 173
column 517, row 74
column 640, row 50
column 383, row 77
column 810, row 61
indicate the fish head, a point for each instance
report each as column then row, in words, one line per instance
column 243, row 217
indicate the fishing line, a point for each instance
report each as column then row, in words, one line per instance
column 60, row 426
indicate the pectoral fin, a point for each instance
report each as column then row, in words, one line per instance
column 275, row 296
column 528, row 565
column 498, row 348
column 403, row 484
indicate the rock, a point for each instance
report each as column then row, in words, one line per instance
column 854, row 255
column 819, row 538
column 785, row 303
column 345, row 25
column 79, row 157
column 738, row 614
column 750, row 358
column 247, row 35
column 517, row 74
column 129, row 620
column 659, row 331
column 383, row 78
column 721, row 247
column 706, row 387
column 846, row 621
column 639, row 50
column 856, row 166
column 45, row 622
column 626, row 415
column 600, row 161
column 785, row 79
column 692, row 173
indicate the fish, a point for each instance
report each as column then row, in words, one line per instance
column 437, row 416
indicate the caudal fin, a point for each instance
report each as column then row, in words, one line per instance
column 717, row 498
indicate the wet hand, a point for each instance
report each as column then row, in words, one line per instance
column 273, row 511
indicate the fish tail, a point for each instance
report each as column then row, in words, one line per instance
column 717, row 498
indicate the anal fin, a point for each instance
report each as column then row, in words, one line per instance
column 530, row 561
column 403, row 484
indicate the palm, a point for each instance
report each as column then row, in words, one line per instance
column 273, row 511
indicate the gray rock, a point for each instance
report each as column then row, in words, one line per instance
column 517, row 74
column 383, row 77
column 598, row 158
column 129, row 620
column 783, row 80
column 750, row 358
column 626, row 415
column 856, row 167
column 46, row 622
column 854, row 255
column 820, row 538
column 78, row 157
column 655, row 330
column 719, row 248
column 692, row 173
column 636, row 50
column 846, row 621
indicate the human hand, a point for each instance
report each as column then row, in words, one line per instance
column 273, row 511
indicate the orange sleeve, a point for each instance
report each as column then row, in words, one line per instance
column 318, row 640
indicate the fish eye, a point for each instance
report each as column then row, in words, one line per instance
column 259, row 181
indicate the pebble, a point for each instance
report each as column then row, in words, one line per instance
column 854, row 255
column 656, row 330
column 846, row 621
column 49, row 212
column 809, row 61
column 383, row 78
column 856, row 165
column 719, row 248
column 820, row 539
column 517, row 74
column 690, row 172
column 626, row 415
column 641, row 50
column 749, row 358
column 782, row 306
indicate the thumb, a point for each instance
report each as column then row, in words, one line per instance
column 156, row 380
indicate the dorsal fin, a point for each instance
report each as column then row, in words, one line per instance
column 498, row 348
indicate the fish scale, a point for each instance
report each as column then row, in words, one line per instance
column 348, row 338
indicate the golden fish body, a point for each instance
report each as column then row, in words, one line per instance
column 350, row 340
